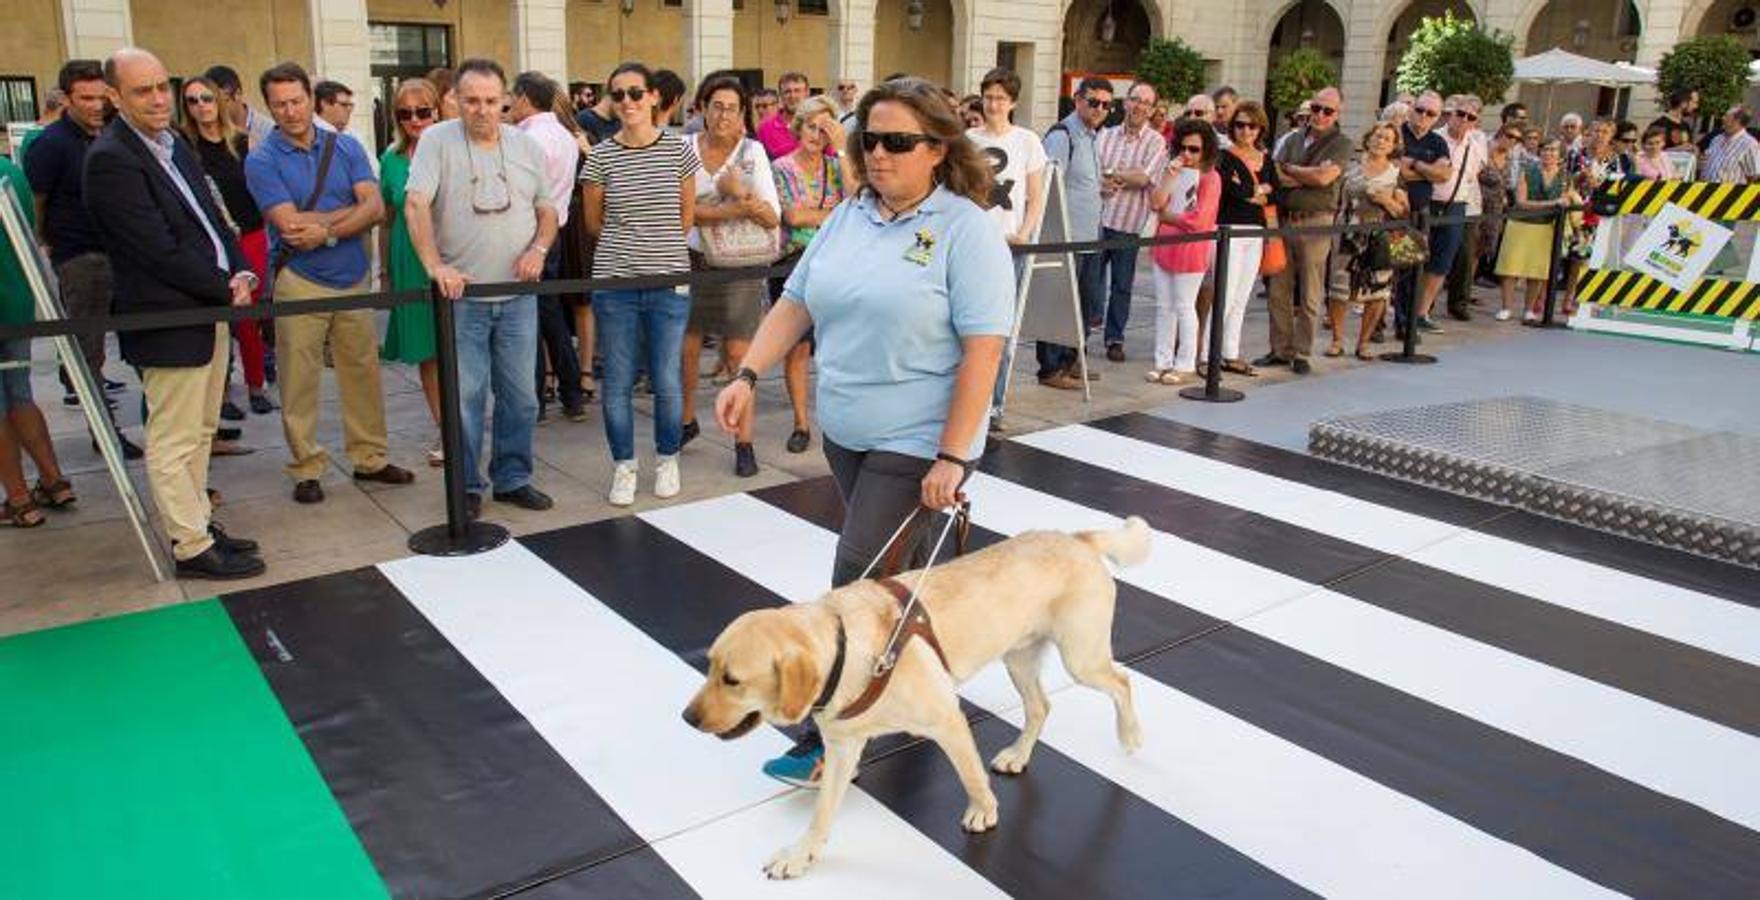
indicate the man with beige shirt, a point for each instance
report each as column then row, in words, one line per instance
column 1311, row 166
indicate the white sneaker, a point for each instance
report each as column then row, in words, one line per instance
column 666, row 477
column 1502, row 315
column 623, row 484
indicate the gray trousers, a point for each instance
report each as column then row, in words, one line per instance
column 879, row 489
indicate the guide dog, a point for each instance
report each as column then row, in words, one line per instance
column 1009, row 600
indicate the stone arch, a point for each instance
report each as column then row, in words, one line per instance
column 1081, row 18
column 1531, row 11
column 1269, row 26
column 1392, row 46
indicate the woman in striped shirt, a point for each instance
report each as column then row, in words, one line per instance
column 640, row 197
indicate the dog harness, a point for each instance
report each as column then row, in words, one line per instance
column 915, row 624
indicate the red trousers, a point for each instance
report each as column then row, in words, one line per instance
column 249, row 335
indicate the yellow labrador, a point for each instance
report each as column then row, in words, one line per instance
column 1009, row 600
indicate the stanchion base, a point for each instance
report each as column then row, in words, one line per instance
column 437, row 540
column 1416, row 359
column 1222, row 395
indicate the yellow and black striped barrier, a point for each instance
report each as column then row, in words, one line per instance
column 1718, row 297
column 1714, row 201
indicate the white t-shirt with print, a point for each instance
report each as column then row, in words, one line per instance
column 1012, row 157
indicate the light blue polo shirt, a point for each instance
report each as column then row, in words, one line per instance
column 279, row 172
column 889, row 316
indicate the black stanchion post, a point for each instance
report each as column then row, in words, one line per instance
column 1552, row 266
column 1212, row 390
column 460, row 536
column 1408, row 352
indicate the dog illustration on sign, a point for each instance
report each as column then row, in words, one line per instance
column 1682, row 240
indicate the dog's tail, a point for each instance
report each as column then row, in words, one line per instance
column 1125, row 546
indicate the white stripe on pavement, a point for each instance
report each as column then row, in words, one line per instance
column 607, row 697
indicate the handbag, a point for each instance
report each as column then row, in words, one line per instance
column 1406, row 249
column 738, row 243
column 1273, row 255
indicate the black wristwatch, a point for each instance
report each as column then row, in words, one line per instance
column 748, row 376
column 967, row 464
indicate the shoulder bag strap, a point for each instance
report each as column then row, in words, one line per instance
column 324, row 158
column 1460, row 173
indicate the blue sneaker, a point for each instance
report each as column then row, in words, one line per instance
column 800, row 767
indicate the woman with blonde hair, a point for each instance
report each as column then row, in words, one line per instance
column 222, row 146
column 410, row 335
column 810, row 183
column 908, row 288
column 1371, row 194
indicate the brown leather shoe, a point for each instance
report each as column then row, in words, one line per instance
column 1062, row 381
column 308, row 491
column 386, row 474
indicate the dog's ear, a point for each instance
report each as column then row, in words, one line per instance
column 797, row 679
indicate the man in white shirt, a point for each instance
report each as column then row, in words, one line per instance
column 1733, row 157
column 1471, row 149
column 534, row 98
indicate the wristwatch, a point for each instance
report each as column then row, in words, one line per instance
column 747, row 375
column 329, row 237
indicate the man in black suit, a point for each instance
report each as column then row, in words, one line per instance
column 170, row 249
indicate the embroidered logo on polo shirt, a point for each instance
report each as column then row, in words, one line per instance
column 923, row 251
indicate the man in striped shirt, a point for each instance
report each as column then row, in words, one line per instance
column 1131, row 156
column 1733, row 156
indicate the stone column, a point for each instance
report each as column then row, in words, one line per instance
column 340, row 53
column 540, row 38
column 96, row 28
column 1663, row 23
column 1360, row 80
column 708, row 42
column 852, row 41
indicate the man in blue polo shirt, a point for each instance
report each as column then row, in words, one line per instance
column 55, row 166
column 1425, row 165
column 318, row 240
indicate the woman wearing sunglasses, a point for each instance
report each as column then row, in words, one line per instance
column 640, row 199
column 222, row 147
column 1248, row 180
column 1186, row 202
column 409, row 337
column 908, row 288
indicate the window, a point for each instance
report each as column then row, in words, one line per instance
column 409, row 47
column 18, row 98
column 814, row 7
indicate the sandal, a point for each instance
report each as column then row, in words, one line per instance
column 1239, row 367
column 1334, row 351
column 53, row 496
column 589, row 390
column 1171, row 377
column 1364, row 354
column 24, row 514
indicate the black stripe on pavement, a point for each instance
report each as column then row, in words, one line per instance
column 451, row 791
column 1685, row 677
column 1674, row 567
column 1573, row 814
column 1129, row 847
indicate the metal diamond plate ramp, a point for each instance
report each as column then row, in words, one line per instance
column 1656, row 481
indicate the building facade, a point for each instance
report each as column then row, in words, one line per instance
column 369, row 44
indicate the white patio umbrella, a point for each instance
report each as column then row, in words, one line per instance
column 1558, row 66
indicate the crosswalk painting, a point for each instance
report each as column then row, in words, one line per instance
column 1349, row 687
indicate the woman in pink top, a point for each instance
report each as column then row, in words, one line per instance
column 1185, row 202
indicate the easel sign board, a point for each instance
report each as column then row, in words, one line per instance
column 1048, row 306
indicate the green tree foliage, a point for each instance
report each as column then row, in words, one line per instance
column 1715, row 65
column 1298, row 76
column 1455, row 56
column 1174, row 67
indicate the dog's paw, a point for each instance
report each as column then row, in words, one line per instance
column 979, row 817
column 1011, row 760
column 790, row 862
column 1131, row 738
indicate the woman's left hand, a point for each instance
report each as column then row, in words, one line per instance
column 941, row 485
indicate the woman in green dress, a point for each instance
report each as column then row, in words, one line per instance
column 410, row 336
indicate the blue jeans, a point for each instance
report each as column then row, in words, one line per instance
column 630, row 322
column 1091, row 288
column 1121, row 264
column 496, row 345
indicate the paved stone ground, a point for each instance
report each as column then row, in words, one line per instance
column 87, row 563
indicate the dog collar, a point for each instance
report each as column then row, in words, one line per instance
column 836, row 673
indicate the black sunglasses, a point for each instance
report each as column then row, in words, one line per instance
column 634, row 93
column 193, row 99
column 1426, row 113
column 423, row 113
column 895, row 142
column 1192, row 148
column 1319, row 110
column 1466, row 114
column 1241, row 124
